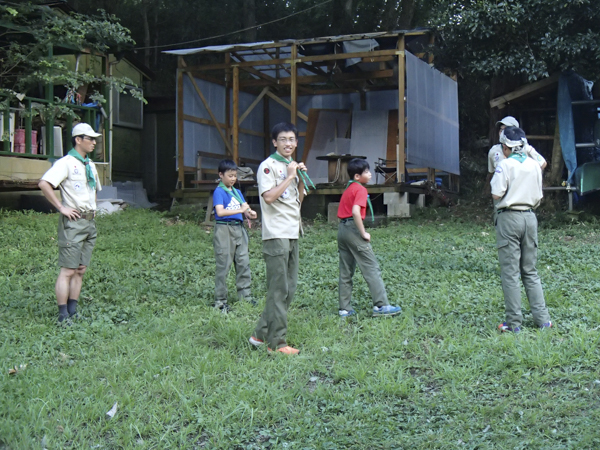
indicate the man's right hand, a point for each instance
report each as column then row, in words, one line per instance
column 291, row 169
column 366, row 236
column 70, row 213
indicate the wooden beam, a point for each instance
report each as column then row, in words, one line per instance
column 210, row 113
column 181, row 169
column 228, row 97
column 253, row 105
column 235, row 132
column 308, row 79
column 401, row 149
column 210, row 122
column 266, row 128
column 546, row 83
column 294, row 87
column 286, row 105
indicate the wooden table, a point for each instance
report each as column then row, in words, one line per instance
column 337, row 169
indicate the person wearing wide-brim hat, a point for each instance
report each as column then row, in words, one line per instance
column 517, row 191
column 76, row 177
column 495, row 154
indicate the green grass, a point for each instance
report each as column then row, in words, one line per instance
column 184, row 376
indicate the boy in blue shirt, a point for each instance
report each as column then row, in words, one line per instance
column 230, row 239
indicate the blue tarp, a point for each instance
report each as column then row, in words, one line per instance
column 576, row 123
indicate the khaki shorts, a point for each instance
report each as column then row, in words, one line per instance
column 76, row 240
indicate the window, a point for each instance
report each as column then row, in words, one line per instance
column 127, row 110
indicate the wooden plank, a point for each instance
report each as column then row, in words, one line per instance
column 546, row 83
column 539, row 137
column 294, row 87
column 392, row 136
column 228, row 98
column 308, row 79
column 181, row 174
column 235, row 131
column 311, row 127
column 210, row 122
column 401, row 148
column 286, row 105
column 253, row 105
column 266, row 128
column 210, row 113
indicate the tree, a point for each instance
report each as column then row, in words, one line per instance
column 31, row 37
column 526, row 38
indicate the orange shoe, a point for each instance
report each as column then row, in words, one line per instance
column 287, row 350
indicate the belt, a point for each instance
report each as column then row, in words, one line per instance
column 89, row 215
column 346, row 219
column 514, row 210
column 229, row 222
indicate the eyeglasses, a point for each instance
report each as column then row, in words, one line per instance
column 284, row 140
column 87, row 138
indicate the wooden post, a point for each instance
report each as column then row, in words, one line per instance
column 294, row 86
column 50, row 118
column 106, row 90
column 236, row 114
column 557, row 164
column 228, row 97
column 400, row 151
column 266, row 126
column 6, row 131
column 181, row 170
column 28, row 148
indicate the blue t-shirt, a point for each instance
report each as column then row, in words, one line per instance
column 229, row 202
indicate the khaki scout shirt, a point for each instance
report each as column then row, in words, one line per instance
column 519, row 184
column 68, row 174
column 495, row 155
column 280, row 219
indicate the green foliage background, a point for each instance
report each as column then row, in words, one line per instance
column 184, row 376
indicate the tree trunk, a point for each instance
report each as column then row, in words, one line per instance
column 146, row 33
column 249, row 10
column 406, row 15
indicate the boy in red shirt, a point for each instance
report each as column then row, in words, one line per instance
column 354, row 244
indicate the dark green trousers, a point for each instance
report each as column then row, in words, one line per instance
column 517, row 241
column 231, row 246
column 281, row 259
column 353, row 250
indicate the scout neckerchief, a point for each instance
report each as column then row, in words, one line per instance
column 368, row 199
column 302, row 173
column 88, row 168
column 518, row 156
column 233, row 192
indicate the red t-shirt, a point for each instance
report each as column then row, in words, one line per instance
column 355, row 194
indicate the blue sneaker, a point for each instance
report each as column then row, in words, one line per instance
column 506, row 329
column 346, row 313
column 387, row 310
column 546, row 325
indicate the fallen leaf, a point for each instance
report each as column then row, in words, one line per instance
column 112, row 411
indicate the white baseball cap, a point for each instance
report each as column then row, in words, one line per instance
column 509, row 121
column 83, row 129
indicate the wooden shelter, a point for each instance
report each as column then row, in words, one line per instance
column 303, row 77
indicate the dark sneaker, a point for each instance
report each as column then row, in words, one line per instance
column 255, row 341
column 506, row 329
column 223, row 307
column 66, row 322
column 546, row 325
column 346, row 313
column 387, row 310
column 248, row 299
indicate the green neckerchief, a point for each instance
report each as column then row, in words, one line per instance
column 368, row 199
column 518, row 156
column 301, row 173
column 88, row 168
column 232, row 192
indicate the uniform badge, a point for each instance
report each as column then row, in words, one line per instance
column 496, row 156
column 77, row 186
column 75, row 170
column 286, row 194
column 498, row 169
column 267, row 171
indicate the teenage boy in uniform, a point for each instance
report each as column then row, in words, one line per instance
column 496, row 153
column 281, row 193
column 354, row 244
column 76, row 177
column 517, row 191
column 230, row 239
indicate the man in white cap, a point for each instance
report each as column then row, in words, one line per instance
column 495, row 155
column 76, row 177
column 517, row 191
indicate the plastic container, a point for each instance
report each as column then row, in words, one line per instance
column 19, row 145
